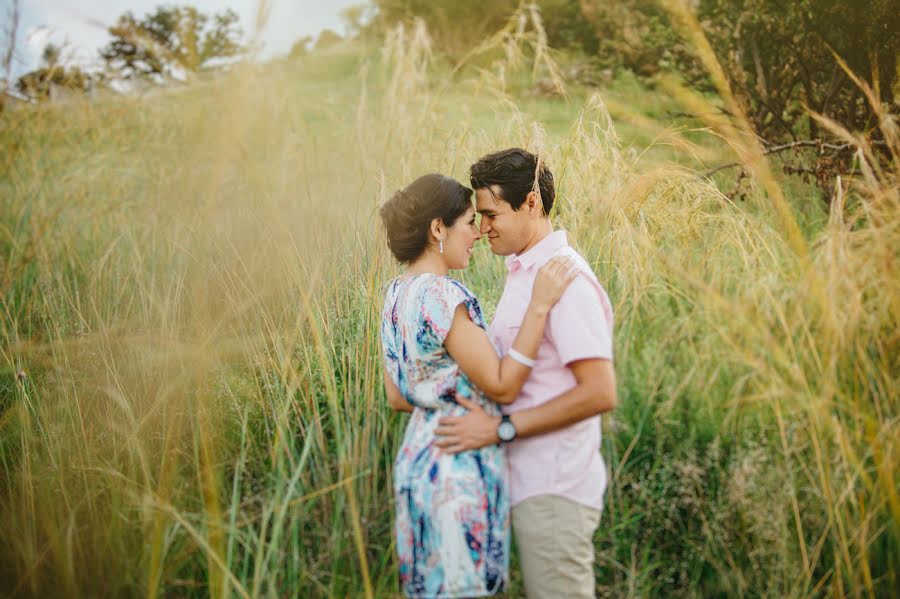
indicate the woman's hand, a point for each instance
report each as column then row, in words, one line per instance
column 502, row 378
column 551, row 281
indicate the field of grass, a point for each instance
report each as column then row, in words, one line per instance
column 190, row 372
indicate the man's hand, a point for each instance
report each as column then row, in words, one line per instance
column 475, row 430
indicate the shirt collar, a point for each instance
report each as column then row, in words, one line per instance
column 540, row 253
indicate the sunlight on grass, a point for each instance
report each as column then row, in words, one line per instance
column 190, row 395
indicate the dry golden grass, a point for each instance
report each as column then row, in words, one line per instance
column 191, row 289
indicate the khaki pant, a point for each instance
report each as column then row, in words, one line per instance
column 555, row 541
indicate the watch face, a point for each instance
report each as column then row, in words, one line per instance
column 506, row 431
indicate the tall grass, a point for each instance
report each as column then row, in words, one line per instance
column 190, row 385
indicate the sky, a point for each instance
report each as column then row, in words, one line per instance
column 80, row 25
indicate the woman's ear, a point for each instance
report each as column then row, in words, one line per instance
column 437, row 228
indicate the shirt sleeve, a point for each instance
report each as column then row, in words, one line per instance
column 439, row 307
column 579, row 326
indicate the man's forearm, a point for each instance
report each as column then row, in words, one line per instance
column 595, row 393
column 573, row 406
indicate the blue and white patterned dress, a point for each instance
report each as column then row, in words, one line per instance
column 452, row 510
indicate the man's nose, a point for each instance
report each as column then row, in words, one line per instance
column 485, row 225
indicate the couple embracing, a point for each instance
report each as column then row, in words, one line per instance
column 505, row 419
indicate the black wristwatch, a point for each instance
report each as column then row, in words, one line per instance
column 506, row 430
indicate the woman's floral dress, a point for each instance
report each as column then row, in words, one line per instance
column 452, row 510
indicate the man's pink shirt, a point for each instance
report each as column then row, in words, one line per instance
column 565, row 462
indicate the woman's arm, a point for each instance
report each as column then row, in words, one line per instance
column 469, row 345
column 593, row 394
column 394, row 397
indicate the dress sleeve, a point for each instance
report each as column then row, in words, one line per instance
column 438, row 308
column 391, row 357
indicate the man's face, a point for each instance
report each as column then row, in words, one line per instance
column 507, row 230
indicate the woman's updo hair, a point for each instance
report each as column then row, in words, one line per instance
column 408, row 214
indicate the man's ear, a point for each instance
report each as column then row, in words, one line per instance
column 533, row 203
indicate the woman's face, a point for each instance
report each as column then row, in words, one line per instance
column 460, row 239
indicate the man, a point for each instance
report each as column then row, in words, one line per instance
column 552, row 430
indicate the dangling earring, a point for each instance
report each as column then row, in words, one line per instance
column 441, row 245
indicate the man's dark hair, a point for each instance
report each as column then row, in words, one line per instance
column 513, row 172
column 408, row 214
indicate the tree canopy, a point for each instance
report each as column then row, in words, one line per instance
column 782, row 59
column 52, row 75
column 170, row 39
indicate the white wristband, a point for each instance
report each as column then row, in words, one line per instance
column 521, row 359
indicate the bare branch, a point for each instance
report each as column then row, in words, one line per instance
column 777, row 149
column 9, row 51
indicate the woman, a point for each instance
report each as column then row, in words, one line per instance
column 452, row 510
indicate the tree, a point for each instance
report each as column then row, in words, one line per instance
column 172, row 38
column 355, row 18
column 53, row 77
column 455, row 27
column 636, row 35
column 51, row 55
column 327, row 39
column 301, row 47
column 782, row 60
column 780, row 56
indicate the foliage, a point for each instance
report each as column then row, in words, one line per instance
column 356, row 17
column 190, row 381
column 301, row 46
column 635, row 35
column 53, row 77
column 783, row 60
column 458, row 26
column 455, row 27
column 779, row 57
column 327, row 39
column 169, row 39
column 41, row 83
